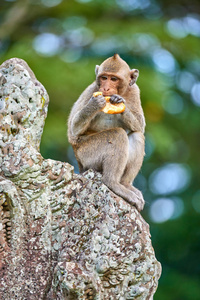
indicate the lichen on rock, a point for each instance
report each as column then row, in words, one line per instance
column 62, row 235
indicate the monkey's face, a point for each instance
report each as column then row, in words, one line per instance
column 109, row 84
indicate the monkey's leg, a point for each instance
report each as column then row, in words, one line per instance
column 114, row 164
column 107, row 152
column 108, row 145
column 135, row 160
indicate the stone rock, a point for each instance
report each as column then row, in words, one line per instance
column 62, row 235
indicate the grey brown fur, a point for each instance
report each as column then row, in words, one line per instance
column 111, row 144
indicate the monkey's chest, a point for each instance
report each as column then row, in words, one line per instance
column 104, row 121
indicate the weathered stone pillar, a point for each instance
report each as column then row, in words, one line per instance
column 62, row 235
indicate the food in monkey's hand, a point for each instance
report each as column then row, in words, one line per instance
column 110, row 108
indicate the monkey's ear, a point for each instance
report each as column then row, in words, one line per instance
column 96, row 69
column 134, row 73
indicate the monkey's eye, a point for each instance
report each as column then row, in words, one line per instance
column 104, row 77
column 114, row 78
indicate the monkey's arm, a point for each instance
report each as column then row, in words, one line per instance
column 82, row 119
column 133, row 116
column 133, row 120
column 85, row 110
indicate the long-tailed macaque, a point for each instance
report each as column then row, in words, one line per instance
column 112, row 144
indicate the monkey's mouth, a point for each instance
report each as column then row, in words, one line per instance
column 107, row 95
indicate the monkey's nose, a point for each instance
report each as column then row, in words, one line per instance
column 106, row 89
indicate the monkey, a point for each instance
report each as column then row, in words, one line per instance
column 112, row 144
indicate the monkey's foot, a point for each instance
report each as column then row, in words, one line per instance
column 138, row 200
column 137, row 192
column 138, row 203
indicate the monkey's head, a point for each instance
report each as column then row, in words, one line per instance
column 114, row 76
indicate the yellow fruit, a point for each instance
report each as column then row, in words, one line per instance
column 110, row 108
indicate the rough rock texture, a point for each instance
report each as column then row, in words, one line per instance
column 62, row 236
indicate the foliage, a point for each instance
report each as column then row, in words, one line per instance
column 62, row 41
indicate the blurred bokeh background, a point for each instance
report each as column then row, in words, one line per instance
column 62, row 41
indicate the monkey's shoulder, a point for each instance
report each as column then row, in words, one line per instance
column 87, row 93
column 85, row 97
column 133, row 93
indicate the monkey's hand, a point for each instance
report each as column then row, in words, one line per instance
column 98, row 102
column 114, row 99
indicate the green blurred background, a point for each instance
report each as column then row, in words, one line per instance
column 62, row 41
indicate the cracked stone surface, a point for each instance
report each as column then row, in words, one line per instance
column 62, row 235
